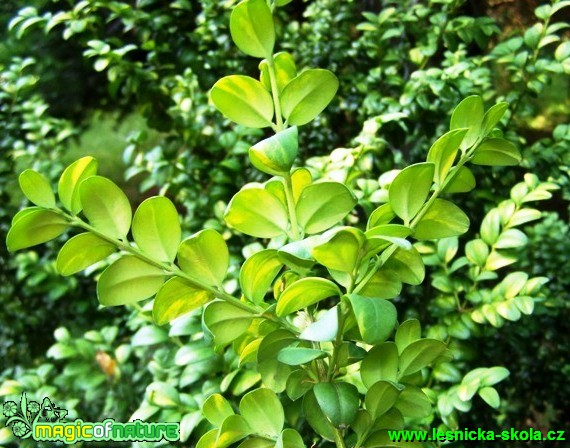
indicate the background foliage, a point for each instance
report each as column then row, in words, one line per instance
column 127, row 82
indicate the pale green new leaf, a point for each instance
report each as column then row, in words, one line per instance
column 324, row 329
column 70, row 180
column 322, row 205
column 82, row 251
column 156, row 228
column 285, row 71
column 252, row 29
column 37, row 188
column 257, row 212
column 216, row 409
column 307, row 95
column 469, row 114
column 175, row 298
column 257, row 274
column 275, row 155
column 463, row 181
column 106, row 206
column 128, row 280
column 410, row 189
column 343, row 251
column 444, row 151
column 243, row 100
column 493, row 116
column 442, row 220
column 263, row 412
column 496, row 152
column 205, row 256
column 34, row 226
column 304, row 293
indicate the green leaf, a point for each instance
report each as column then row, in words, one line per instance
column 376, row 318
column 257, row 212
column 175, row 298
column 35, row 227
column 338, row 401
column 290, row 438
column 408, row 332
column 304, row 293
column 380, row 398
column 275, row 155
column 410, row 189
column 491, row 227
column 226, row 321
column 205, row 256
column 149, row 335
column 106, row 206
column 469, row 114
column 322, row 205
column 285, row 71
column 82, row 251
column 380, row 364
column 324, row 329
column 463, row 181
column 382, row 215
column 257, row 274
column 413, row 403
column 384, row 284
column 442, row 220
column 494, row 375
column 343, row 251
column 70, row 180
column 255, row 442
column 493, row 116
column 128, row 280
column 407, row 265
column 263, row 412
column 510, row 239
column 419, row 354
column 316, row 417
column 295, row 356
column 298, row 384
column 306, row 95
column 208, row 440
column 497, row 152
column 490, row 396
column 156, row 228
column 252, row 29
column 477, row 252
column 233, row 429
column 443, row 153
column 37, row 188
column 297, row 255
column 243, row 100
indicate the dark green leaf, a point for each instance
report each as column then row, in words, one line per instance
column 419, row 354
column 338, row 402
column 380, row 398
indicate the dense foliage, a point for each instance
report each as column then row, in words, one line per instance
column 496, row 295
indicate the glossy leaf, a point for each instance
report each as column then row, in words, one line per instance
column 82, row 251
column 296, row 356
column 338, row 402
column 410, row 189
column 376, row 318
column 343, row 251
column 290, row 438
column 463, row 181
column 298, row 254
column 263, row 412
column 304, row 293
column 275, row 155
column 36, row 188
column 234, row 428
column 156, row 228
column 175, row 298
column 285, row 71
column 243, row 100
column 128, row 280
column 407, row 265
column 419, row 354
column 226, row 321
column 35, row 227
column 382, row 215
column 257, row 274
column 380, row 398
column 216, row 409
column 413, row 403
column 496, row 152
column 409, row 331
column 491, row 396
column 257, row 212
column 252, row 29
column 493, row 116
column 442, row 220
column 316, row 417
column 306, row 95
column 322, row 205
column 106, row 206
column 384, row 284
column 380, row 364
column 70, row 180
column 205, row 256
column 444, row 151
column 324, row 329
column 469, row 114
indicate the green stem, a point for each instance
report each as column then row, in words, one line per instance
column 275, row 94
column 338, row 440
column 295, row 233
column 337, row 343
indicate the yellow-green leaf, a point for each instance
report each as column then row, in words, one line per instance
column 82, row 251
